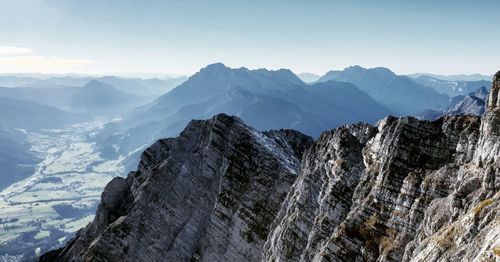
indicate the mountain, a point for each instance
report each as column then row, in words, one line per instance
column 54, row 96
column 143, row 87
column 33, row 116
column 102, row 99
column 468, row 105
column 403, row 190
column 69, row 80
column 308, row 77
column 399, row 93
column 45, row 84
column 16, row 160
column 254, row 94
column 452, row 88
column 481, row 93
column 462, row 77
column 264, row 99
column 472, row 104
column 161, row 86
column 216, row 172
column 94, row 97
column 137, row 86
column 42, row 81
column 16, row 81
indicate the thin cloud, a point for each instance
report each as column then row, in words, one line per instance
column 12, row 50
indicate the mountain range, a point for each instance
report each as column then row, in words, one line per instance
column 137, row 86
column 401, row 94
column 94, row 98
column 100, row 98
column 459, row 77
column 264, row 99
column 402, row 190
column 268, row 99
column 33, row 116
column 471, row 104
column 452, row 87
column 62, row 118
column 143, row 87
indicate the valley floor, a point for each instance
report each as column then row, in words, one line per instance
column 44, row 210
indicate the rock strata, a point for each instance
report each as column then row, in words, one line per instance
column 414, row 191
column 209, row 195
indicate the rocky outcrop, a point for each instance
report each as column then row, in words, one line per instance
column 464, row 224
column 468, row 105
column 403, row 190
column 360, row 199
column 489, row 146
column 208, row 195
column 415, row 191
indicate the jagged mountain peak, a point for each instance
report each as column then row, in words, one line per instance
column 488, row 150
column 401, row 94
column 210, row 194
column 221, row 70
column 481, row 92
column 215, row 68
column 218, row 74
column 284, row 74
column 305, row 107
column 356, row 69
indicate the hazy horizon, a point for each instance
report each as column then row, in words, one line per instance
column 172, row 37
column 167, row 75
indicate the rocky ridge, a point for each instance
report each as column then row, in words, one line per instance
column 208, row 195
column 404, row 190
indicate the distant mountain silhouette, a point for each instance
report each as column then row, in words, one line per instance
column 16, row 81
column 462, row 77
column 55, row 96
column 263, row 98
column 217, row 89
column 143, row 87
column 100, row 98
column 137, row 86
column 472, row 104
column 399, row 93
column 452, row 87
column 33, row 116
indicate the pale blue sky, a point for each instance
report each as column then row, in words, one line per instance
column 447, row 37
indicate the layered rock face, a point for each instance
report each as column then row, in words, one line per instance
column 408, row 191
column 489, row 146
column 404, row 190
column 209, row 195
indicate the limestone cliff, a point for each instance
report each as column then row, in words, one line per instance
column 208, row 195
column 414, row 191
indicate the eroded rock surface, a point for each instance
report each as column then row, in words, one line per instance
column 415, row 191
column 209, row 195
